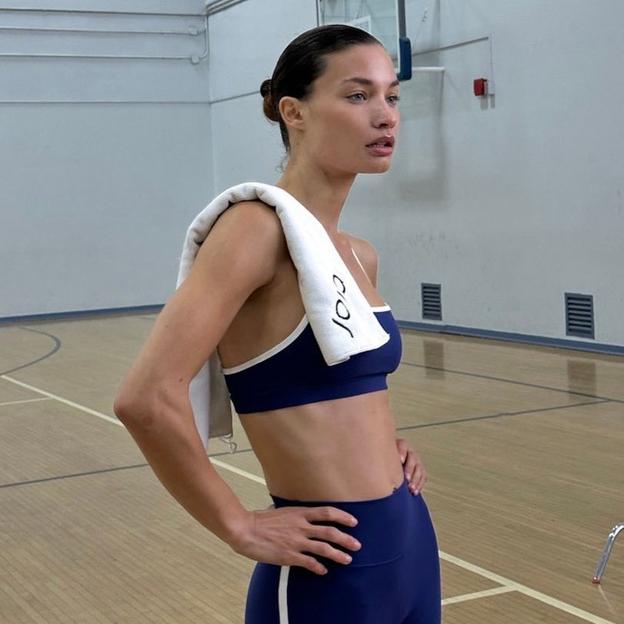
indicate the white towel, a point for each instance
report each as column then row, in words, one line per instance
column 340, row 316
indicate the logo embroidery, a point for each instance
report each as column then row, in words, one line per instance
column 342, row 311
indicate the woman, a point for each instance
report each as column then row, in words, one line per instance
column 327, row 451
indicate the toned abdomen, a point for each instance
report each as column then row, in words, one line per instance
column 342, row 449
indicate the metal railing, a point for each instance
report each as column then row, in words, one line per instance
column 192, row 31
column 606, row 553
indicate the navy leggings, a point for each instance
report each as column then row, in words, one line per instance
column 393, row 579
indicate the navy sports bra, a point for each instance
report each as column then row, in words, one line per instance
column 294, row 371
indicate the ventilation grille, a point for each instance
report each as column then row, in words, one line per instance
column 431, row 302
column 579, row 315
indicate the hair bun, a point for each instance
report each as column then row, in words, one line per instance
column 268, row 106
column 265, row 87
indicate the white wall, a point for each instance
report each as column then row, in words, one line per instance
column 512, row 204
column 508, row 203
column 246, row 42
column 104, row 161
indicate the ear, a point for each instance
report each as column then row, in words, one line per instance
column 291, row 111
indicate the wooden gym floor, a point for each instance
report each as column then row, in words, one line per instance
column 523, row 445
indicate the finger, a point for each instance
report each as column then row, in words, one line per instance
column 418, row 481
column 422, row 480
column 402, row 448
column 310, row 563
column 328, row 514
column 413, row 469
column 326, row 550
column 420, row 477
column 410, row 465
column 332, row 534
column 417, row 473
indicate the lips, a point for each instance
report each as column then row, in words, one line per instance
column 383, row 141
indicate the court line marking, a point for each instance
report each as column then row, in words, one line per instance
column 480, row 594
column 537, row 410
column 69, row 476
column 510, row 381
column 50, row 395
column 501, row 580
column 523, row 589
column 24, row 401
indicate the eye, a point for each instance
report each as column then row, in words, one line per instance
column 394, row 99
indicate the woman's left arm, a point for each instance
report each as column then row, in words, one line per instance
column 413, row 467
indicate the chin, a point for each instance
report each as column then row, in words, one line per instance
column 378, row 167
column 381, row 165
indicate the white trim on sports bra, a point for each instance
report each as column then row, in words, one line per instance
column 282, row 344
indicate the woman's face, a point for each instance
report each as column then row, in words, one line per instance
column 353, row 104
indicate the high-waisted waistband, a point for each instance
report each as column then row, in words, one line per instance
column 383, row 525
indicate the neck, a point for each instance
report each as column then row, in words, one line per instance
column 322, row 193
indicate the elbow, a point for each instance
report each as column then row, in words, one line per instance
column 124, row 408
column 131, row 397
column 134, row 415
column 125, row 400
column 130, row 409
column 142, row 411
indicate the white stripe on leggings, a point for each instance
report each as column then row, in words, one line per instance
column 282, row 594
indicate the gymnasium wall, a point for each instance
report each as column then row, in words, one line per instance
column 506, row 202
column 509, row 204
column 104, row 161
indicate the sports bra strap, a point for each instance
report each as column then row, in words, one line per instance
column 363, row 269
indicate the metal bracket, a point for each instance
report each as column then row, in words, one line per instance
column 602, row 564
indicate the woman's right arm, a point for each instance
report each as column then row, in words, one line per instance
column 239, row 255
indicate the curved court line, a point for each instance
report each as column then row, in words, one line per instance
column 497, row 578
column 57, row 346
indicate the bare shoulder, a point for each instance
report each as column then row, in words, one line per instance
column 367, row 254
column 251, row 214
column 252, row 228
column 238, row 256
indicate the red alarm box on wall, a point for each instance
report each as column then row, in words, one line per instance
column 480, row 86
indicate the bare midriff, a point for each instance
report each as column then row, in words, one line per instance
column 337, row 450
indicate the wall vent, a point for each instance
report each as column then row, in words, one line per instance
column 431, row 302
column 579, row 310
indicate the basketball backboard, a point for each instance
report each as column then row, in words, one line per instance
column 384, row 19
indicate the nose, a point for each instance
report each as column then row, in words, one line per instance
column 386, row 115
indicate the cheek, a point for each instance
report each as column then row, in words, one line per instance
column 342, row 132
column 341, row 119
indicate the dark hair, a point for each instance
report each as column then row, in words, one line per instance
column 302, row 62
